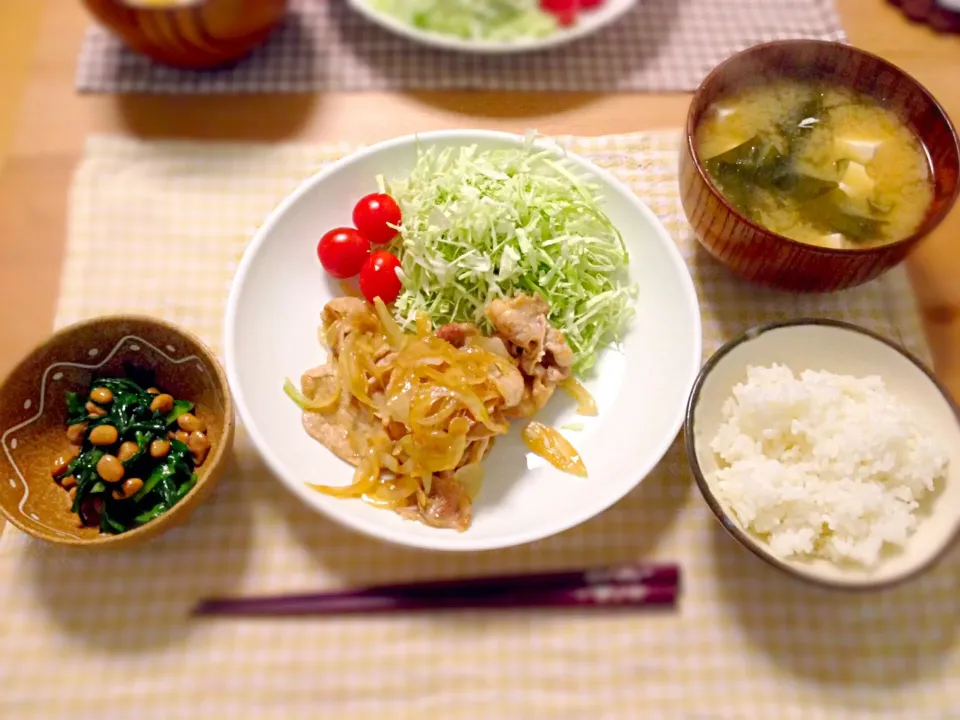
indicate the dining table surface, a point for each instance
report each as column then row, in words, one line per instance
column 44, row 122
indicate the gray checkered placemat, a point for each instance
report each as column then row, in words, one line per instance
column 662, row 45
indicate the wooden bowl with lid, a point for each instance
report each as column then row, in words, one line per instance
column 190, row 34
column 764, row 257
column 33, row 418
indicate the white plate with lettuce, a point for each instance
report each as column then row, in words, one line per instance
column 485, row 214
column 489, row 26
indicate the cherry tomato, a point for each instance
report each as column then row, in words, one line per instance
column 378, row 278
column 565, row 11
column 342, row 252
column 371, row 216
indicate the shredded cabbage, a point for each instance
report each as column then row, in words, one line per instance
column 503, row 20
column 479, row 225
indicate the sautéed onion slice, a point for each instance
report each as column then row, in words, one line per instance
column 417, row 413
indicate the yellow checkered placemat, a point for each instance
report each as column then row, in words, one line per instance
column 158, row 228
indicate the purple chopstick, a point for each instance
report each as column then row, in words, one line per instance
column 619, row 586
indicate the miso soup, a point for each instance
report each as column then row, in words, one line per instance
column 817, row 163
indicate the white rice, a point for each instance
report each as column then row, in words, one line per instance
column 823, row 465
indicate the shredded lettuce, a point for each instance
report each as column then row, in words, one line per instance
column 479, row 225
column 502, row 20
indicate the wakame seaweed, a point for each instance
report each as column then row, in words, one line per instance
column 828, row 213
column 765, row 162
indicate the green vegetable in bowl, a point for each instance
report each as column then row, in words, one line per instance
column 502, row 20
column 136, row 453
column 480, row 225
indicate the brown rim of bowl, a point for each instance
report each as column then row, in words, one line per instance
column 214, row 460
column 161, row 6
column 928, row 224
column 732, row 526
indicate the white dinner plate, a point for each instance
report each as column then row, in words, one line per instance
column 588, row 22
column 641, row 386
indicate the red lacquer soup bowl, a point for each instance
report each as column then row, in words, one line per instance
column 762, row 256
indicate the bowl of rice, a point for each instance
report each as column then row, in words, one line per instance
column 828, row 451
